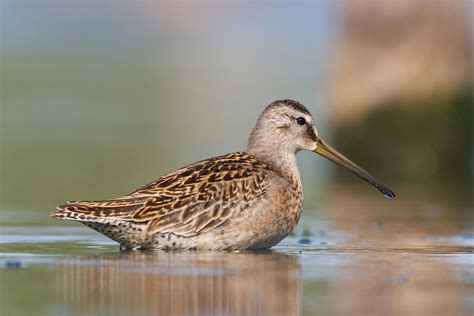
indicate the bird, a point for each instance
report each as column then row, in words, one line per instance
column 245, row 200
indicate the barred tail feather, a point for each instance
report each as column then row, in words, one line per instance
column 112, row 222
column 95, row 211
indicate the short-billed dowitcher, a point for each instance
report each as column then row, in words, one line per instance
column 244, row 200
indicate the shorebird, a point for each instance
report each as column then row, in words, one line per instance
column 244, row 200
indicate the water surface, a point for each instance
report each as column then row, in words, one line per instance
column 353, row 253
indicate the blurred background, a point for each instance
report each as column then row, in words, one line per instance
column 100, row 97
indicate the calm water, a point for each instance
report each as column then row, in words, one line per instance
column 354, row 252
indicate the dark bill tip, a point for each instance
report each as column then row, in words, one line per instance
column 387, row 192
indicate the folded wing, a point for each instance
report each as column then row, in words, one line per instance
column 187, row 202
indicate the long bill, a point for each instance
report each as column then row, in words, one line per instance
column 330, row 153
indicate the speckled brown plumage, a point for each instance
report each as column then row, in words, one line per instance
column 189, row 202
column 243, row 200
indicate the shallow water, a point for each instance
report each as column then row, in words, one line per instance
column 353, row 252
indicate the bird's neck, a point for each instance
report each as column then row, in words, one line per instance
column 282, row 159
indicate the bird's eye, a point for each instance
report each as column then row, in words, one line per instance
column 301, row 120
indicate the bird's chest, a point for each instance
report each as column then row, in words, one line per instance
column 275, row 216
column 287, row 207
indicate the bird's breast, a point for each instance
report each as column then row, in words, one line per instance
column 274, row 217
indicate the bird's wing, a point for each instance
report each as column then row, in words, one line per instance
column 191, row 200
column 201, row 196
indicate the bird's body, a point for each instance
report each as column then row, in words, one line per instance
column 243, row 200
column 228, row 202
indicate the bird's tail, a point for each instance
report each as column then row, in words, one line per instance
column 97, row 211
column 113, row 218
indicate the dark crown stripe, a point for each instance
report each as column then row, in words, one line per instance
column 291, row 103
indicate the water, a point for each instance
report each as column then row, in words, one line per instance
column 353, row 253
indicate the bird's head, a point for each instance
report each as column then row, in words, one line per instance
column 287, row 126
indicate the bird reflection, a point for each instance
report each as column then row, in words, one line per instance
column 182, row 283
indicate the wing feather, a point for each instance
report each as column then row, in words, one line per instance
column 215, row 189
column 189, row 201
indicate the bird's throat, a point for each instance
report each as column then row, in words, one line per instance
column 282, row 160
